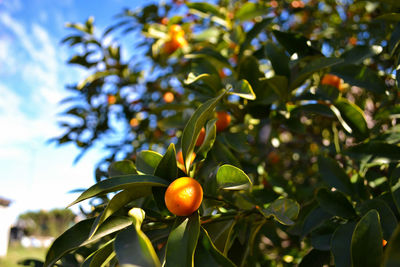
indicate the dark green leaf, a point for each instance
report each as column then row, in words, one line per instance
column 194, row 125
column 147, row 161
column 357, row 54
column 243, row 89
column 295, row 43
column 334, row 175
column 279, row 59
column 207, row 254
column 314, row 219
column 182, row 241
column 394, row 40
column 392, row 253
column 377, row 149
column 366, row 243
column 335, row 203
column 101, row 256
column 283, row 210
column 209, row 139
column 352, row 118
column 341, row 244
column 232, row 178
column 386, row 215
column 315, row 258
column 205, row 7
column 360, row 76
column 121, row 168
column 119, row 183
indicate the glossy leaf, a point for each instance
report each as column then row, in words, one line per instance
column 357, row 54
column 353, row 119
column 207, row 254
column 314, row 219
column 315, row 258
column 78, row 235
column 205, row 7
column 279, row 59
column 147, row 161
column 119, row 201
column 366, row 243
column 102, row 256
column 378, row 149
column 335, row 203
column 243, row 89
column 232, row 178
column 119, row 183
column 250, row 10
column 283, row 210
column 295, row 43
column 194, row 125
column 182, row 241
column 392, row 253
column 387, row 218
column 133, row 248
column 316, row 64
column 360, row 76
column 341, row 244
column 334, row 175
column 121, row 168
column 209, row 139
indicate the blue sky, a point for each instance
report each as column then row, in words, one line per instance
column 33, row 75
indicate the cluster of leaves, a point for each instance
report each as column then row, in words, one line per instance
column 323, row 161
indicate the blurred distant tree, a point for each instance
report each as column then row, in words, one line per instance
column 47, row 223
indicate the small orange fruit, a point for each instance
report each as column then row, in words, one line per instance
column 273, row 157
column 224, row 119
column 111, row 99
column 164, row 21
column 201, row 137
column 174, row 43
column 332, row 80
column 175, row 30
column 179, row 157
column 353, row 40
column 384, row 242
column 222, row 74
column 134, row 122
column 183, row 196
column 168, row 97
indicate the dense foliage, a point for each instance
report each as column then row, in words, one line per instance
column 306, row 172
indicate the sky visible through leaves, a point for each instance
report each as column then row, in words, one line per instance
column 33, row 73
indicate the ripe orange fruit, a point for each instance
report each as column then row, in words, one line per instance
column 332, row 80
column 134, row 122
column 175, row 30
column 179, row 157
column 164, row 21
column 183, row 196
column 384, row 242
column 297, row 4
column 224, row 119
column 174, row 43
column 168, row 97
column 111, row 99
column 222, row 74
column 201, row 137
column 353, row 40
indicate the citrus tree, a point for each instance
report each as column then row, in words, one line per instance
column 240, row 133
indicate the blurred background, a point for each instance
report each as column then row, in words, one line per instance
column 33, row 76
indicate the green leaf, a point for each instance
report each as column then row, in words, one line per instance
column 352, row 118
column 232, row 178
column 209, row 139
column 250, row 10
column 182, row 241
column 133, row 248
column 318, row 109
column 257, row 28
column 213, row 81
column 386, row 215
column 78, row 234
column 335, row 203
column 357, row 54
column 194, row 125
column 314, row 65
column 378, row 149
column 243, row 89
column 121, row 168
column 147, row 161
column 102, row 256
column 168, row 170
column 118, row 183
column 334, row 175
column 295, row 43
column 207, row 254
column 283, row 210
column 392, row 253
column 366, row 243
column 394, row 40
column 119, row 201
column 314, row 219
column 315, row 258
column 205, row 8
column 279, row 59
column 341, row 244
column 211, row 55
column 360, row 76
